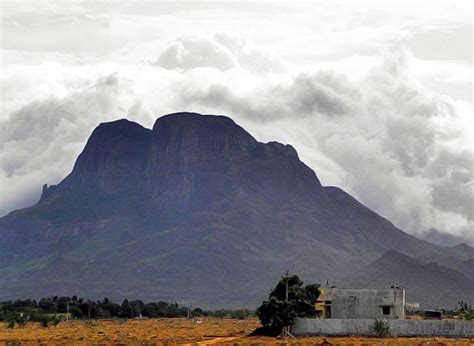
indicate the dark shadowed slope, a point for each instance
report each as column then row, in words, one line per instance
column 430, row 284
column 195, row 209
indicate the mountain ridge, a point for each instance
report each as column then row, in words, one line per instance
column 449, row 285
column 195, row 200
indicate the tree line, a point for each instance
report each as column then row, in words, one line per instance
column 53, row 310
column 289, row 299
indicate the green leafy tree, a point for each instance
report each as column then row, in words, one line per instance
column 126, row 309
column 197, row 312
column 76, row 312
column 465, row 311
column 277, row 312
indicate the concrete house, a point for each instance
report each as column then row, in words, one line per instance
column 342, row 303
column 345, row 312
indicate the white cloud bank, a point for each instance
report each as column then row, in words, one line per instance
column 385, row 126
column 405, row 151
column 223, row 52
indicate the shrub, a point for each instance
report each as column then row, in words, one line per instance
column 21, row 320
column 56, row 320
column 43, row 320
column 381, row 328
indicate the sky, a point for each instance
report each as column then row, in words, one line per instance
column 376, row 96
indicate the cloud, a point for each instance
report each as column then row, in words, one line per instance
column 40, row 141
column 190, row 52
column 223, row 52
column 404, row 150
column 332, row 79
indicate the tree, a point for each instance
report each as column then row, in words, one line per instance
column 278, row 311
column 465, row 311
column 197, row 312
column 126, row 309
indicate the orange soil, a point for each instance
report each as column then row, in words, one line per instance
column 182, row 331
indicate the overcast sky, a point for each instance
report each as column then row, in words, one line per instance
column 376, row 96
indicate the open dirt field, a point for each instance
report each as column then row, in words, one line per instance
column 180, row 331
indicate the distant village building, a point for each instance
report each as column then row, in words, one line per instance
column 412, row 307
column 342, row 303
column 432, row 314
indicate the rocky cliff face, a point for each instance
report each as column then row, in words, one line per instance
column 194, row 209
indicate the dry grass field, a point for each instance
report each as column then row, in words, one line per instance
column 180, row 331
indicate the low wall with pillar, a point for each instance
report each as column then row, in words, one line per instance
column 344, row 327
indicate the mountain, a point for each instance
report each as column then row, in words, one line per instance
column 441, row 238
column 422, row 281
column 193, row 210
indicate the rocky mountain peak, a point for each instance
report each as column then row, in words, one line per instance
column 197, row 132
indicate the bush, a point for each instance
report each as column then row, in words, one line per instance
column 43, row 320
column 381, row 328
column 21, row 320
column 11, row 324
column 56, row 320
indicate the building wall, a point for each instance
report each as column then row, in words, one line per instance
column 409, row 328
column 367, row 303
